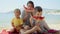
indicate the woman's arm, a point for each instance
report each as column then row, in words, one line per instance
column 24, row 15
column 31, row 30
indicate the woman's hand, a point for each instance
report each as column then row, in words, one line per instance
column 29, row 11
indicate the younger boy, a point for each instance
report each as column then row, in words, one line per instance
column 17, row 22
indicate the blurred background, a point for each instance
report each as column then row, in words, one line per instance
column 51, row 11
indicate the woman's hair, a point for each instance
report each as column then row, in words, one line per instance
column 30, row 2
column 38, row 8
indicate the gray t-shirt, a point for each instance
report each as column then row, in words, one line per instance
column 27, row 22
column 43, row 25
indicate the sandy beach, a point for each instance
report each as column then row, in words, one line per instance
column 52, row 26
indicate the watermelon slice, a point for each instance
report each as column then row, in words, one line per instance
column 4, row 32
column 38, row 17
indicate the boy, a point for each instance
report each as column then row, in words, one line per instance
column 17, row 22
column 38, row 19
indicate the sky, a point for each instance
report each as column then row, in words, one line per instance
column 10, row 5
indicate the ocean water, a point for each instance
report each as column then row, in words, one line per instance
column 52, row 20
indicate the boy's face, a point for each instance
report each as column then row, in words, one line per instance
column 17, row 13
column 38, row 14
column 30, row 6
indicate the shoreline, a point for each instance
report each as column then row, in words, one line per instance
column 52, row 26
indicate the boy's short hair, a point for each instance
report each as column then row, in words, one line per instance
column 38, row 8
column 17, row 10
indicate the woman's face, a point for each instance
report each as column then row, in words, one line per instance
column 30, row 6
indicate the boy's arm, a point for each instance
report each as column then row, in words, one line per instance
column 12, row 23
column 45, row 25
column 21, row 25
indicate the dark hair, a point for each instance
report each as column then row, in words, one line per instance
column 30, row 2
column 38, row 8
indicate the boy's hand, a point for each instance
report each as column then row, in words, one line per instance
column 37, row 28
column 18, row 27
column 37, row 22
column 13, row 25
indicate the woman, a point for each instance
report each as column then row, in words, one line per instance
column 27, row 13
